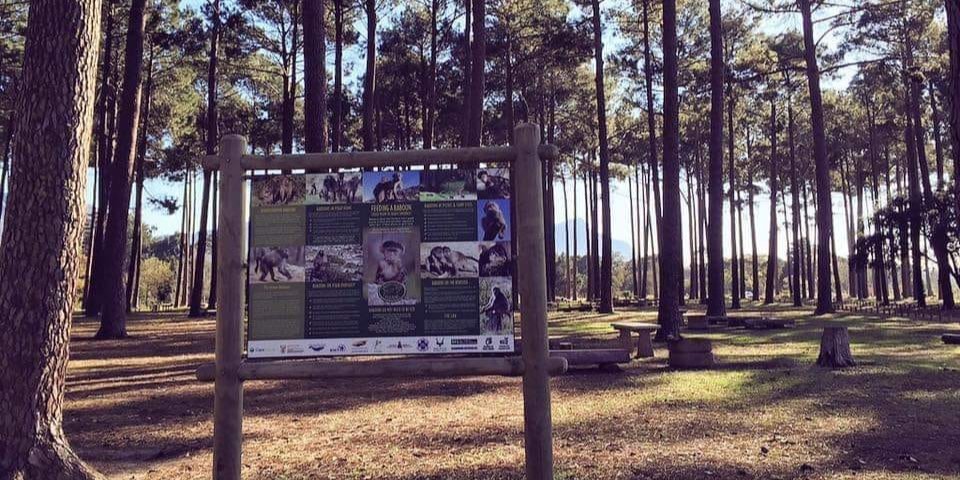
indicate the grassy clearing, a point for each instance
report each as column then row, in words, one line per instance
column 135, row 411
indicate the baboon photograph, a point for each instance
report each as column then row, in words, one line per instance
column 493, row 220
column 277, row 264
column 391, row 264
column 496, row 307
column 330, row 188
column 279, row 190
column 391, row 187
column 495, row 259
column 440, row 185
column 493, row 183
column 334, row 263
column 447, row 260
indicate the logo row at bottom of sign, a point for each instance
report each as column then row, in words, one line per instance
column 329, row 347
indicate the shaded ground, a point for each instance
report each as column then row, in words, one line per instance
column 135, row 410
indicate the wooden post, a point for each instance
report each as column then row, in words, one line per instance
column 231, row 256
column 531, row 258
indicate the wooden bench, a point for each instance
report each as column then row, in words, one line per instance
column 643, row 330
column 602, row 357
column 697, row 321
column 951, row 338
column 768, row 323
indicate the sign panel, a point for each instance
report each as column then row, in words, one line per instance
column 388, row 262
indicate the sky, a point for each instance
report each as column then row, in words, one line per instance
column 164, row 224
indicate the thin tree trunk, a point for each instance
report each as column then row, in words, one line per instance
column 576, row 251
column 795, row 268
column 691, row 228
column 113, row 317
column 478, row 52
column 715, row 301
column 651, row 120
column 337, row 136
column 671, row 245
column 566, row 235
column 5, row 159
column 136, row 246
column 821, row 162
column 370, row 77
column 937, row 140
column 54, row 119
column 646, row 235
column 606, row 241
column 212, row 299
column 770, row 289
column 732, row 175
column 314, row 76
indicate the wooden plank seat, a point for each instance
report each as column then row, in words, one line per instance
column 643, row 330
column 740, row 320
column 697, row 321
column 769, row 323
column 603, row 357
column 951, row 338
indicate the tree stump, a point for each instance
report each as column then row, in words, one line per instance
column 835, row 348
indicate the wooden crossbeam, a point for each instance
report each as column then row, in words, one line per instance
column 417, row 367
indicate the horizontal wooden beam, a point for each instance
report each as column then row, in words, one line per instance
column 415, row 367
column 321, row 161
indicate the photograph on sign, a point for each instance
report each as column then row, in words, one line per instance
column 386, row 262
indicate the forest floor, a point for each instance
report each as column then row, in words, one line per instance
column 135, row 410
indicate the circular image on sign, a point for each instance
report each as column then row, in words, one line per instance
column 392, row 292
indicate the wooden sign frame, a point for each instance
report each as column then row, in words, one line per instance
column 230, row 369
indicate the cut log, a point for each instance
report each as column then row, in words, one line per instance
column 835, row 348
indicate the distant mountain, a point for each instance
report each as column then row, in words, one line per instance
column 619, row 246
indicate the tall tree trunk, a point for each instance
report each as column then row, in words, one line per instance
column 646, row 234
column 953, row 41
column 606, row 241
column 136, row 246
column 588, row 234
column 795, row 268
column 732, row 175
column 314, row 76
column 821, row 163
column 808, row 256
column 716, row 291
column 370, row 77
column 5, row 161
column 337, row 136
column 651, row 119
column 51, row 144
column 113, row 317
column 916, row 200
column 432, row 78
column 212, row 299
column 595, row 232
column 478, row 53
column 566, row 237
column 212, row 137
column 633, row 244
column 576, row 251
column 937, row 139
column 770, row 289
column 105, row 119
column 671, row 245
column 691, row 228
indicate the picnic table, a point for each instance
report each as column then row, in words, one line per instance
column 643, row 331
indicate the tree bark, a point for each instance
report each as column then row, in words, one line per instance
column 477, row 64
column 337, row 135
column 606, row 241
column 315, row 77
column 671, row 250
column 821, row 163
column 835, row 348
column 732, row 175
column 651, row 120
column 113, row 317
column 212, row 137
column 51, row 147
column 136, row 247
column 953, row 41
column 716, row 288
column 370, row 77
column 795, row 268
column 5, row 160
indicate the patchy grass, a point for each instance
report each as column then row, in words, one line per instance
column 135, row 410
